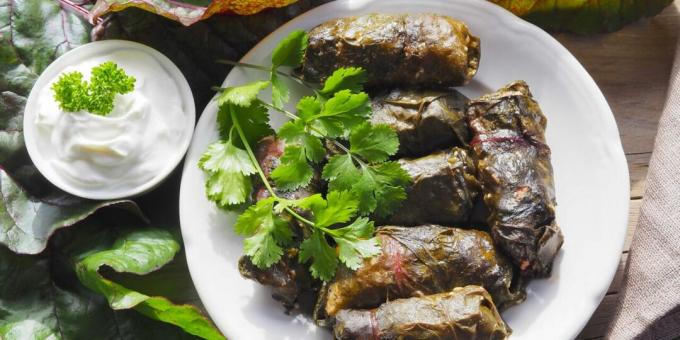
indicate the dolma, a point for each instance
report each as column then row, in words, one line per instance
column 406, row 49
column 425, row 120
column 443, row 190
column 513, row 162
column 424, row 260
column 290, row 281
column 463, row 313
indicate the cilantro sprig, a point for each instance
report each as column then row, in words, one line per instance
column 362, row 181
column 107, row 80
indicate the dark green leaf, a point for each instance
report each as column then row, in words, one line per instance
column 26, row 224
column 32, row 34
column 141, row 252
column 290, row 50
column 583, row 16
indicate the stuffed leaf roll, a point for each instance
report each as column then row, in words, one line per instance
column 415, row 49
column 443, row 190
column 425, row 120
column 424, row 260
column 514, row 167
column 463, row 313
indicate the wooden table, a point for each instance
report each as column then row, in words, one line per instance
column 632, row 68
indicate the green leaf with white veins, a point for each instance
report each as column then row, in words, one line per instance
column 26, row 224
column 243, row 95
column 32, row 34
column 228, row 169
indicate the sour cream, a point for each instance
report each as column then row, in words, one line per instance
column 126, row 151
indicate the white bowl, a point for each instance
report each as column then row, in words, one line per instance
column 111, row 190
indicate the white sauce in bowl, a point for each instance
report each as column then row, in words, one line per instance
column 122, row 153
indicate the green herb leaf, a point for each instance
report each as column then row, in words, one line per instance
column 106, row 81
column 294, row 171
column 266, row 233
column 290, row 50
column 280, row 91
column 243, row 95
column 374, row 143
column 356, row 242
column 344, row 78
column 253, row 119
column 341, row 113
column 293, row 132
column 341, row 172
column 324, row 260
column 141, row 252
column 70, row 91
column 339, row 207
column 308, row 107
column 228, row 169
column 379, row 188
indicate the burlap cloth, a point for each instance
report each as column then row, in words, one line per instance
column 649, row 305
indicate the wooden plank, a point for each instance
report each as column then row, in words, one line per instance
column 633, row 217
column 597, row 326
column 631, row 67
column 615, row 286
column 638, row 164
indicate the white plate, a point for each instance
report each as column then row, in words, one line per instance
column 591, row 178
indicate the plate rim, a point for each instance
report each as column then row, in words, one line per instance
column 615, row 145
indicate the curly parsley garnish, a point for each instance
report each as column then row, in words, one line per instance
column 362, row 181
column 96, row 96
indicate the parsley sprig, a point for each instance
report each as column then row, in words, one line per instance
column 74, row 94
column 362, row 181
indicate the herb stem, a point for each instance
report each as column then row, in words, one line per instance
column 282, row 110
column 267, row 69
column 264, row 179
column 299, row 217
column 253, row 159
